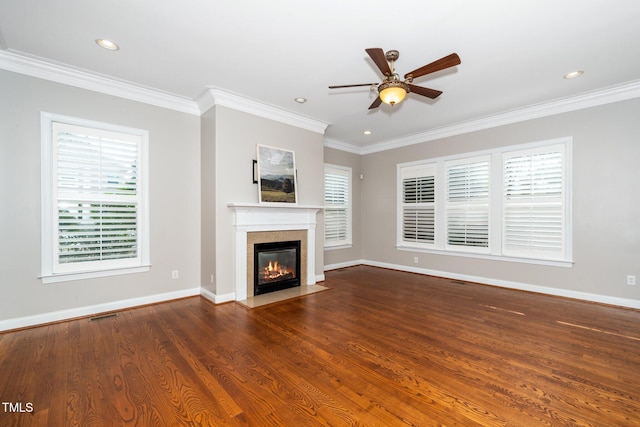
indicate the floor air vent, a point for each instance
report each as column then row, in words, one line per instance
column 91, row 319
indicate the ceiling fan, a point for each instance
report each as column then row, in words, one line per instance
column 392, row 90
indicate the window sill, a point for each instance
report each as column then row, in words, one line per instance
column 334, row 247
column 552, row 263
column 67, row 277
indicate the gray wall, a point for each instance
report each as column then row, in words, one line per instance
column 208, row 199
column 338, row 257
column 174, row 146
column 199, row 164
column 606, row 201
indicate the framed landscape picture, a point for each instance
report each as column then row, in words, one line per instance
column 276, row 175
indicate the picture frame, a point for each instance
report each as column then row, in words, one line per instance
column 277, row 177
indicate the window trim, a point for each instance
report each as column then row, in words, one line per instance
column 495, row 200
column 48, row 193
column 348, row 242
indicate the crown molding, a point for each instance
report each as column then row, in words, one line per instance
column 342, row 146
column 213, row 95
column 36, row 67
column 609, row 95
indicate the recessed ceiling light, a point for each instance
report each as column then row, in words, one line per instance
column 367, row 132
column 301, row 100
column 573, row 74
column 107, row 44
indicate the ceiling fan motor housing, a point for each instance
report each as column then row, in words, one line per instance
column 393, row 83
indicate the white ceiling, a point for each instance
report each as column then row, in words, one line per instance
column 514, row 53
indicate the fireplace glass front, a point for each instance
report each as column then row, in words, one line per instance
column 276, row 266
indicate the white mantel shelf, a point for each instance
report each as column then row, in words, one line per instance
column 235, row 205
column 251, row 217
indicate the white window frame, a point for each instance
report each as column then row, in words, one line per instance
column 495, row 249
column 422, row 209
column 346, row 172
column 53, row 271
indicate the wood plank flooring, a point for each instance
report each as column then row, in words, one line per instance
column 380, row 348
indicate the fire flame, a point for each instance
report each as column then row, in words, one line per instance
column 274, row 270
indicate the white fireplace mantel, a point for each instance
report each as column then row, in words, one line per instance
column 251, row 217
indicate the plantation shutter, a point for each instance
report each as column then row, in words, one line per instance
column 467, row 206
column 337, row 211
column 534, row 203
column 418, row 205
column 96, row 199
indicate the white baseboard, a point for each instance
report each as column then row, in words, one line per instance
column 319, row 278
column 61, row 315
column 57, row 316
column 217, row 299
column 585, row 296
column 336, row 266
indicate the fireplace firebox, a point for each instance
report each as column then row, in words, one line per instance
column 276, row 266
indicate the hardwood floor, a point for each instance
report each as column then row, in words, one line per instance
column 380, row 348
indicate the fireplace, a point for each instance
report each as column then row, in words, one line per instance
column 276, row 266
column 261, row 223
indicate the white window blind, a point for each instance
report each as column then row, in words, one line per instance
column 337, row 206
column 467, row 204
column 96, row 197
column 534, row 203
column 418, row 205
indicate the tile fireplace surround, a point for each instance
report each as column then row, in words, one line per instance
column 255, row 223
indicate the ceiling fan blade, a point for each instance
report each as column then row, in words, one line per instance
column 376, row 103
column 361, row 84
column 425, row 91
column 440, row 64
column 380, row 60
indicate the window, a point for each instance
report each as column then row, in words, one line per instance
column 533, row 203
column 467, row 204
column 337, row 206
column 510, row 203
column 94, row 199
column 418, row 205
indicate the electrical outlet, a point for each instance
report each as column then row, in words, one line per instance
column 631, row 280
column 415, row 260
column 175, row 274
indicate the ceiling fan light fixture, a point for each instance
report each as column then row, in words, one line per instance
column 393, row 92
